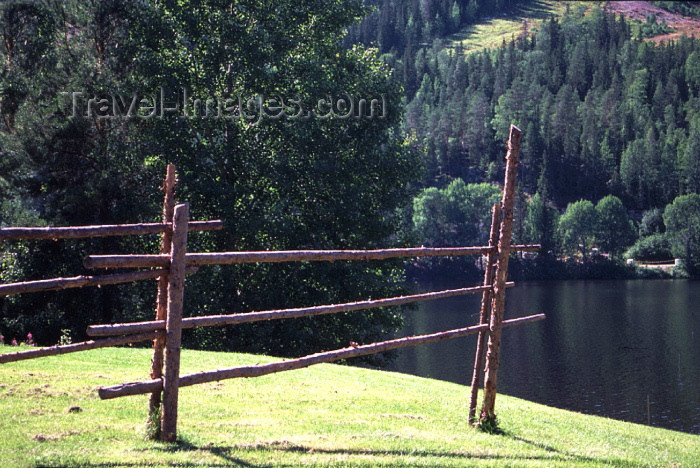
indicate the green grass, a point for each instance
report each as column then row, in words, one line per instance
column 492, row 33
column 324, row 415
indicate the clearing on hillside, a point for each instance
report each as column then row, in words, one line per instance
column 493, row 32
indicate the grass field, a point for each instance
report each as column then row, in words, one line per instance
column 492, row 32
column 324, row 415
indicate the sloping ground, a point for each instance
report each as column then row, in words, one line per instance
column 639, row 11
column 324, row 415
column 492, row 32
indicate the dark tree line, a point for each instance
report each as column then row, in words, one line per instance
column 403, row 28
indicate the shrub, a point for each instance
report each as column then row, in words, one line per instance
column 652, row 223
column 651, row 248
column 682, row 220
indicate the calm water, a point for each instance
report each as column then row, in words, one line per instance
column 604, row 347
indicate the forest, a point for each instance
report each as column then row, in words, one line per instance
column 277, row 184
column 603, row 113
column 609, row 119
column 610, row 155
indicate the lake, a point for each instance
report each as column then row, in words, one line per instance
column 604, row 348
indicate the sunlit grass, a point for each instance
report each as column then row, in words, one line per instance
column 324, row 415
column 493, row 32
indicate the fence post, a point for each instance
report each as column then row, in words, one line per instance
column 484, row 311
column 488, row 414
column 162, row 302
column 173, row 330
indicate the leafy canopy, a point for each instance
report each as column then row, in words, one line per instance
column 614, row 230
column 277, row 184
column 458, row 215
column 576, row 227
column 682, row 220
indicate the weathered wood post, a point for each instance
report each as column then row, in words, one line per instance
column 162, row 302
column 484, row 311
column 488, row 414
column 173, row 322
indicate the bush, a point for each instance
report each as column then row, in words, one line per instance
column 652, row 223
column 682, row 220
column 651, row 248
column 651, row 27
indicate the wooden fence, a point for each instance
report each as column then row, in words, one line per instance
column 173, row 263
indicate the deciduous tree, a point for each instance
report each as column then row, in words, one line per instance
column 682, row 220
column 576, row 228
column 614, row 230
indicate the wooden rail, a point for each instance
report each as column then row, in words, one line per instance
column 75, row 347
column 138, row 388
column 231, row 258
column 82, row 232
column 57, row 284
column 248, row 317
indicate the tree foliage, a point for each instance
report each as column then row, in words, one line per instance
column 603, row 113
column 540, row 224
column 458, row 215
column 576, row 227
column 614, row 231
column 682, row 220
column 654, row 247
column 652, row 222
column 277, row 183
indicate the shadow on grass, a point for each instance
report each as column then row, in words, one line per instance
column 567, row 456
column 231, row 454
column 222, row 452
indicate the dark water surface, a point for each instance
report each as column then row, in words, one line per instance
column 604, row 348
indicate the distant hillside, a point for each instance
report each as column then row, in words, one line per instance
column 492, row 32
column 682, row 17
column 616, row 100
column 400, row 29
column 603, row 111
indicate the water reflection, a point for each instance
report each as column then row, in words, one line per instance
column 605, row 347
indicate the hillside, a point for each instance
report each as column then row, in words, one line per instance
column 640, row 11
column 325, row 415
column 494, row 31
